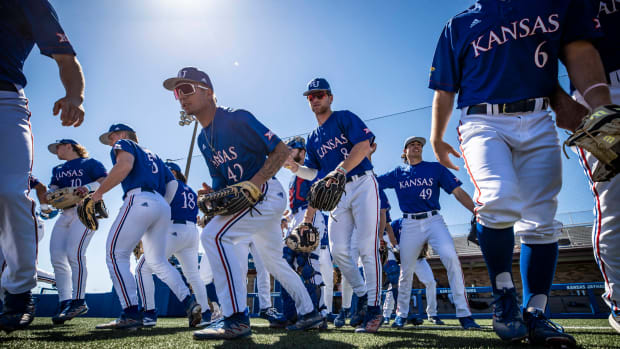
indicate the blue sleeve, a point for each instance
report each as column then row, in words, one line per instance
column 46, row 29
column 168, row 176
column 383, row 200
column 446, row 70
column 581, row 22
column 387, row 180
column 447, row 180
column 125, row 145
column 354, row 128
column 254, row 131
column 33, row 181
column 96, row 169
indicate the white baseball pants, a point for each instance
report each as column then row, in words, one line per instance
column 143, row 216
column 223, row 233
column 182, row 242
column 514, row 162
column 263, row 278
column 327, row 272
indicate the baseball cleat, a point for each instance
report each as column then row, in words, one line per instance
column 76, row 308
column 468, row 323
column 206, row 318
column 341, row 318
column 507, row 319
column 232, row 327
column 323, row 325
column 276, row 320
column 61, row 308
column 331, row 317
column 414, row 320
column 542, row 331
column 150, row 318
column 360, row 311
column 306, row 322
column 18, row 312
column 193, row 311
column 399, row 322
column 374, row 320
column 127, row 321
column 614, row 321
column 435, row 320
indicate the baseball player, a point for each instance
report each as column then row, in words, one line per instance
column 422, row 270
column 182, row 242
column 417, row 185
column 148, row 188
column 502, row 59
column 24, row 23
column 308, row 263
column 70, row 238
column 341, row 143
column 238, row 148
column 606, row 227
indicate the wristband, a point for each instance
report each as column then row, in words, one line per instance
column 45, row 207
column 600, row 84
column 341, row 170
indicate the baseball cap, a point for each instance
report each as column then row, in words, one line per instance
column 317, row 84
column 53, row 148
column 188, row 74
column 115, row 127
column 414, row 139
column 296, row 143
column 171, row 165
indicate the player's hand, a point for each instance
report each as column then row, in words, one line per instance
column 81, row 191
column 443, row 151
column 97, row 196
column 569, row 114
column 71, row 111
column 290, row 164
column 205, row 189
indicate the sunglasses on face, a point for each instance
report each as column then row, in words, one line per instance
column 186, row 90
column 319, row 95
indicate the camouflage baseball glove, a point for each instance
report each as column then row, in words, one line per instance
column 304, row 238
column 63, row 198
column 230, row 200
column 326, row 193
column 89, row 212
column 599, row 134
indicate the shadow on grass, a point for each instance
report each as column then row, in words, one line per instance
column 286, row 339
column 67, row 334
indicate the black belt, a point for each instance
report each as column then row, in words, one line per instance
column 181, row 221
column 355, row 177
column 420, row 215
column 522, row 106
column 7, row 86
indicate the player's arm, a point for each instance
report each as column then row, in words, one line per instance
column 568, row 112
column 73, row 80
column 124, row 165
column 382, row 221
column 586, row 72
column 272, row 165
column 171, row 190
column 41, row 190
column 443, row 102
column 464, row 198
column 391, row 235
column 309, row 215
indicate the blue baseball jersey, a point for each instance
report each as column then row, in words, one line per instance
column 417, row 186
column 397, row 226
column 298, row 190
column 24, row 23
column 235, row 146
column 148, row 172
column 330, row 144
column 77, row 172
column 505, row 51
column 608, row 46
column 184, row 204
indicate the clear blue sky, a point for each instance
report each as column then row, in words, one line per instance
column 260, row 55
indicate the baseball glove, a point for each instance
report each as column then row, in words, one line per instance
column 473, row 232
column 599, row 134
column 89, row 212
column 63, row 198
column 138, row 251
column 230, row 200
column 326, row 193
column 396, row 252
column 304, row 238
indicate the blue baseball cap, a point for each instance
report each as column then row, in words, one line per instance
column 296, row 143
column 188, row 74
column 317, row 84
column 53, row 148
column 412, row 139
column 171, row 165
column 114, row 128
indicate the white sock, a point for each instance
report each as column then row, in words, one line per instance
column 537, row 302
column 503, row 280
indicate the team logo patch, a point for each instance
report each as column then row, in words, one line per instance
column 269, row 134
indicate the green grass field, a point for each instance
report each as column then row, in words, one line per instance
column 173, row 333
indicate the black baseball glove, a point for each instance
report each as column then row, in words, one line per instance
column 326, row 193
column 473, row 232
column 304, row 238
column 89, row 212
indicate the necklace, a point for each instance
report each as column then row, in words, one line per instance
column 211, row 140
